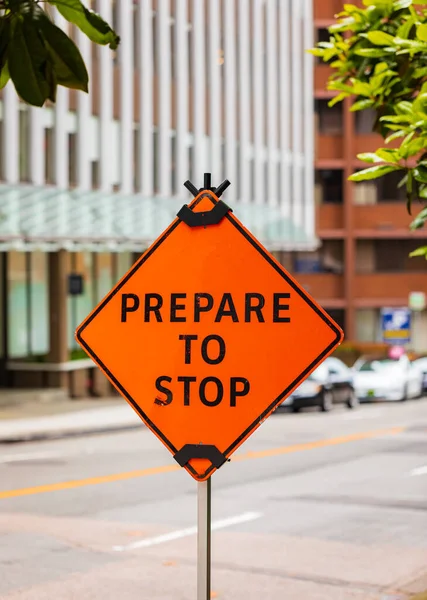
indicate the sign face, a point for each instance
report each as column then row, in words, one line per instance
column 205, row 336
column 396, row 325
column 417, row 301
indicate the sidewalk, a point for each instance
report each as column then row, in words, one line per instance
column 39, row 421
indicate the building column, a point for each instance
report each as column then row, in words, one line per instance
column 58, row 334
column 3, row 320
column 349, row 240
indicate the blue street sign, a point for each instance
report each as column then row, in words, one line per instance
column 396, row 325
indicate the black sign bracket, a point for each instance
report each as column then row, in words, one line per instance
column 211, row 217
column 190, row 451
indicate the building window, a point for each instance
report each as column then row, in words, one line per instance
column 338, row 315
column 307, row 262
column 365, row 121
column 388, row 256
column 383, row 190
column 368, row 325
column 329, row 120
column 328, row 259
column 329, row 186
column 389, row 190
column 365, row 192
column 393, row 255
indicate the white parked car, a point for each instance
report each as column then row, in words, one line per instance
column 386, row 379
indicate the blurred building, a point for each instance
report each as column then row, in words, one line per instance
column 362, row 264
column 197, row 85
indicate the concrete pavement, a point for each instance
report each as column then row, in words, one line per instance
column 314, row 506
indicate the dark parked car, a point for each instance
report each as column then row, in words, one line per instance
column 331, row 383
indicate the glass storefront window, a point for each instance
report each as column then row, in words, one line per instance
column 2, row 308
column 124, row 262
column 104, row 275
column 17, row 304
column 28, row 326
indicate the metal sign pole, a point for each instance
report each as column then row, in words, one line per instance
column 204, row 540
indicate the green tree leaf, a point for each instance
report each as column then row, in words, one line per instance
column 27, row 61
column 412, row 148
column 422, row 32
column 4, row 40
column 4, row 76
column 92, row 24
column 420, row 219
column 338, row 98
column 420, row 174
column 420, row 72
column 404, row 108
column 373, row 52
column 361, row 89
column 419, row 252
column 362, row 104
column 380, row 38
column 395, row 136
column 67, row 63
column 370, row 157
column 388, row 155
column 374, row 172
column 399, row 4
column 405, row 29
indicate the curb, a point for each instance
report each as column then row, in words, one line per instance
column 39, row 436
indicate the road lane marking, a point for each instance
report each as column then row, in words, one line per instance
column 356, row 416
column 9, row 458
column 356, row 437
column 68, row 485
column 29, row 456
column 79, row 483
column 189, row 531
column 419, row 471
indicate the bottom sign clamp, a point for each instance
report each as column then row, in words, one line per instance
column 190, row 451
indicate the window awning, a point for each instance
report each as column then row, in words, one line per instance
column 50, row 219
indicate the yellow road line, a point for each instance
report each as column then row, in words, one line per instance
column 318, row 444
column 68, row 485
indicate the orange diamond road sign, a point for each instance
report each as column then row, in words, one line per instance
column 206, row 335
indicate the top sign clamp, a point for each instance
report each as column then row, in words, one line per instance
column 214, row 216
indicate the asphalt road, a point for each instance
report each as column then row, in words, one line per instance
column 314, row 506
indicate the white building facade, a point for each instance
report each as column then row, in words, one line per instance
column 219, row 86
